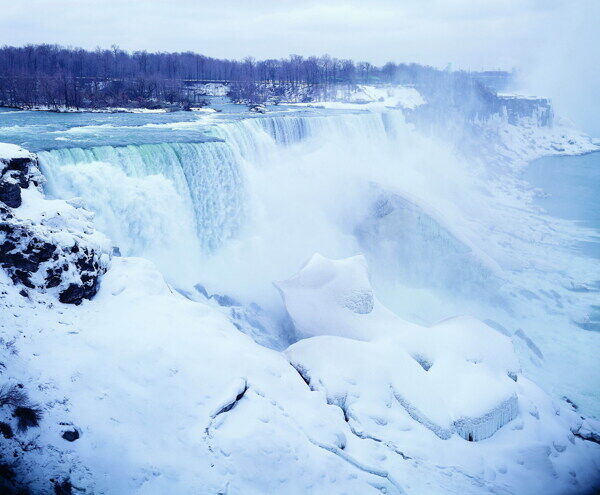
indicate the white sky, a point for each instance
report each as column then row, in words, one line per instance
column 545, row 39
column 468, row 33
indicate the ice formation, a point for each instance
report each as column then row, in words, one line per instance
column 457, row 376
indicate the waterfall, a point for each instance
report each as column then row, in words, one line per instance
column 205, row 176
column 252, row 204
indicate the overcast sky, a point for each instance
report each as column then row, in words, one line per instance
column 467, row 33
column 550, row 41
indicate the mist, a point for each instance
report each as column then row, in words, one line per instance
column 565, row 65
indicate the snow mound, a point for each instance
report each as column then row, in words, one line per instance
column 458, row 376
column 342, row 287
column 10, row 151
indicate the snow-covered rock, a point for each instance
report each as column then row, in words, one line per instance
column 342, row 287
column 457, row 376
column 397, row 383
column 46, row 245
column 15, row 174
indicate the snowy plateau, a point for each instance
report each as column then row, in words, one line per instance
column 115, row 381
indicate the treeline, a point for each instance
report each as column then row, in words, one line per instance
column 56, row 76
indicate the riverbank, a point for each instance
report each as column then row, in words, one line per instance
column 63, row 109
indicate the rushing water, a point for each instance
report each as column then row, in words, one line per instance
column 236, row 201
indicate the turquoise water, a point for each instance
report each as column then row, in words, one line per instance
column 38, row 131
column 571, row 190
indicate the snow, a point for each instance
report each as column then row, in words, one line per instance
column 8, row 151
column 390, row 96
column 58, row 220
column 341, row 288
column 203, row 109
column 194, row 406
column 527, row 141
column 518, row 96
column 170, row 366
column 372, row 98
column 213, row 89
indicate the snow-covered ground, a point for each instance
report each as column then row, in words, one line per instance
column 527, row 141
column 188, row 404
column 374, row 98
column 10, row 151
column 64, row 109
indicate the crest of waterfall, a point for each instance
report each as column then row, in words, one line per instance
column 206, row 177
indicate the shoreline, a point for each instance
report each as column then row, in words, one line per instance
column 105, row 109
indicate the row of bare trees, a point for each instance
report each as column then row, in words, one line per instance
column 59, row 76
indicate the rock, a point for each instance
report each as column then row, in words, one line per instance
column 10, row 194
column 63, row 487
column 16, row 174
column 201, row 290
column 258, row 109
column 225, row 300
column 6, row 430
column 70, row 435
column 75, row 294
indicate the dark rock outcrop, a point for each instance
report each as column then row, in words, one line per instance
column 10, row 194
column 16, row 174
column 76, row 293
column 70, row 435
